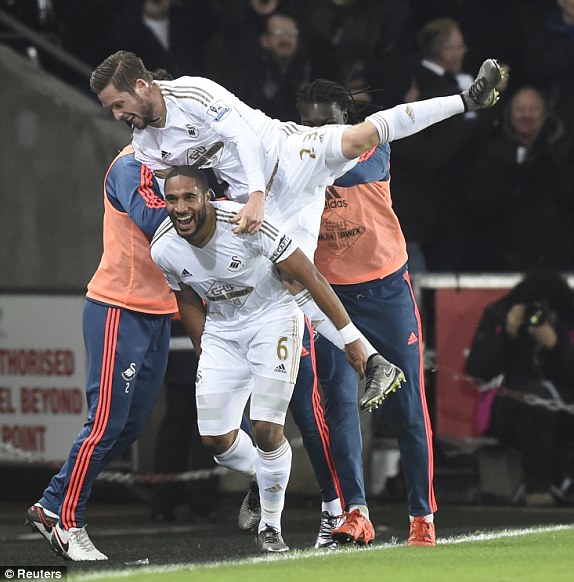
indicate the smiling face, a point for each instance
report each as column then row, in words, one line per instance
column 138, row 109
column 188, row 206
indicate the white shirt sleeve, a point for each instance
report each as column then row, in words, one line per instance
column 271, row 242
column 222, row 116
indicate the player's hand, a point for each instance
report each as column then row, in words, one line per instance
column 250, row 218
column 357, row 356
column 162, row 174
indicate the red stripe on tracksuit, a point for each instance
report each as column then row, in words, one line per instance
column 146, row 191
column 428, row 428
column 82, row 464
column 322, row 426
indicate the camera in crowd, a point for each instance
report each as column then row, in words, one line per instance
column 536, row 313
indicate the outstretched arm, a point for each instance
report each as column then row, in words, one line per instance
column 299, row 267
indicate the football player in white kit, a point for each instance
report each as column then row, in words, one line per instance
column 280, row 168
column 247, row 329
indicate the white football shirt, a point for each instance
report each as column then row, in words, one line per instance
column 232, row 273
column 290, row 163
column 201, row 113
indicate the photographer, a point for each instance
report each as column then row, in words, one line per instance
column 528, row 337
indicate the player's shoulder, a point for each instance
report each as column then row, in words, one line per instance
column 225, row 209
column 196, row 89
column 123, row 161
column 164, row 233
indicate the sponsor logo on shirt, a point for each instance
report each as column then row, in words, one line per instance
column 165, row 155
column 338, row 234
column 194, row 155
column 333, row 199
column 218, row 111
column 228, row 292
column 185, row 274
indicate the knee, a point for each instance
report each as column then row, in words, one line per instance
column 219, row 444
column 268, row 435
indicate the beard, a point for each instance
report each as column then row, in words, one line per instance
column 200, row 220
column 146, row 117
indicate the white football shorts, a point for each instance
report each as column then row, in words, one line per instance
column 260, row 360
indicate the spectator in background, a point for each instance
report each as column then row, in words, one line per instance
column 280, row 69
column 549, row 60
column 528, row 337
column 234, row 46
column 520, row 192
column 508, row 23
column 168, row 34
column 430, row 169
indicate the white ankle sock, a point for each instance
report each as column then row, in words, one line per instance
column 273, row 470
column 333, row 507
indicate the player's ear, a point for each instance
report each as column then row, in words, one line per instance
column 211, row 194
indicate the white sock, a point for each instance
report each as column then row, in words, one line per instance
column 429, row 518
column 240, row 456
column 409, row 118
column 333, row 507
column 362, row 508
column 273, row 470
column 323, row 325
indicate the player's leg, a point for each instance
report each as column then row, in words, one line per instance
column 116, row 345
column 387, row 313
column 274, row 353
column 147, row 381
column 221, row 397
column 410, row 118
column 308, row 414
column 339, row 382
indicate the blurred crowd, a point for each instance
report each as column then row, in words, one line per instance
column 486, row 192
